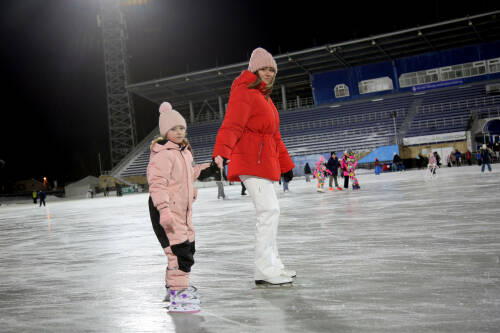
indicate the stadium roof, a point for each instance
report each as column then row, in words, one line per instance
column 295, row 68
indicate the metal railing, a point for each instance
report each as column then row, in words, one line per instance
column 463, row 104
column 489, row 112
column 293, row 104
column 440, row 123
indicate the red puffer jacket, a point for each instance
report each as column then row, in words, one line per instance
column 250, row 136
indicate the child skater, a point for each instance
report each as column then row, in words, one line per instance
column 320, row 172
column 171, row 174
column 432, row 166
column 352, row 163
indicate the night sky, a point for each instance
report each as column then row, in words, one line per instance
column 54, row 116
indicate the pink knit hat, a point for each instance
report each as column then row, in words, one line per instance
column 261, row 58
column 169, row 118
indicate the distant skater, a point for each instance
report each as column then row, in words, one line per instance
column 41, row 196
column 320, row 173
column 333, row 165
column 171, row 174
column 343, row 166
column 432, row 166
column 485, row 158
column 352, row 163
column 307, row 172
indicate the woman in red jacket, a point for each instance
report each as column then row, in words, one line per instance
column 250, row 142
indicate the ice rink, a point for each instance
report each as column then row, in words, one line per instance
column 400, row 255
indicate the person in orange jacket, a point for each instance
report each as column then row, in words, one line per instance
column 249, row 141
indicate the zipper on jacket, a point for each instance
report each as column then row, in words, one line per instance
column 187, row 183
column 260, row 151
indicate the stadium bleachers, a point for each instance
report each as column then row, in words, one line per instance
column 359, row 125
column 449, row 110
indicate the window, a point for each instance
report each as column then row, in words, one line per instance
column 341, row 90
column 479, row 67
column 494, row 65
column 450, row 72
column 379, row 84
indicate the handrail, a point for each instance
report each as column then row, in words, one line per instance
column 440, row 123
column 467, row 103
column 487, row 113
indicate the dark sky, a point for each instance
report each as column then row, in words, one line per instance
column 54, row 116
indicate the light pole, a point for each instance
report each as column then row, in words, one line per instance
column 394, row 115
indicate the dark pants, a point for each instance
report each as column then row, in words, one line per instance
column 346, row 181
column 333, row 178
column 34, row 201
column 158, row 229
column 486, row 164
column 220, row 190
column 243, row 189
column 42, row 201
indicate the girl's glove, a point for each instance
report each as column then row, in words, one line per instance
column 211, row 171
column 288, row 176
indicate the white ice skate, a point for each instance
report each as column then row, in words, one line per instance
column 288, row 273
column 186, row 300
column 279, row 281
column 321, row 190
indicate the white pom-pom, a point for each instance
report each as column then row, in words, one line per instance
column 165, row 107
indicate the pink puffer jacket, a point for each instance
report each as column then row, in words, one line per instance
column 171, row 173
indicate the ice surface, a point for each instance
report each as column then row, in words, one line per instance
column 400, row 255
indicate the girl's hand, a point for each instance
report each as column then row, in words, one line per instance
column 203, row 166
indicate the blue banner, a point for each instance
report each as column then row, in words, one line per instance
column 436, row 85
column 300, row 161
column 384, row 153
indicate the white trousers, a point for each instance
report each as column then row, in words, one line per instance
column 267, row 260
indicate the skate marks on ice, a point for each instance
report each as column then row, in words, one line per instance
column 399, row 255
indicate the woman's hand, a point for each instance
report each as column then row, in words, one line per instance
column 219, row 160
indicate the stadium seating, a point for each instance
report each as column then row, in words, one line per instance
column 449, row 110
column 361, row 124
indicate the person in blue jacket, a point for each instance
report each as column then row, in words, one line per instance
column 485, row 158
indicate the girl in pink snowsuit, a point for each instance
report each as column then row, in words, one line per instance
column 171, row 173
column 320, row 172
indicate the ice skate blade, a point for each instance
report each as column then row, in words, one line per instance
column 265, row 284
column 192, row 311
